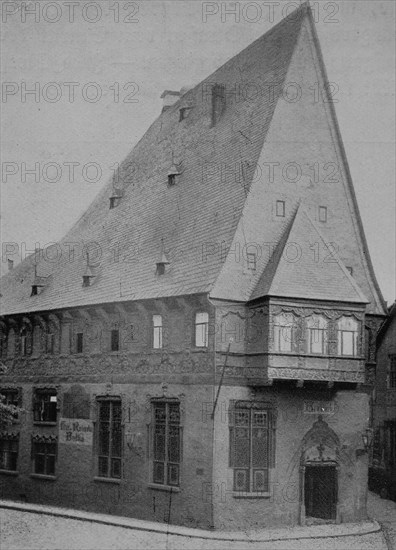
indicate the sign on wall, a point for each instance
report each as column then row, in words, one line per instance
column 319, row 407
column 77, row 431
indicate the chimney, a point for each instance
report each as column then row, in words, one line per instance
column 169, row 98
column 10, row 265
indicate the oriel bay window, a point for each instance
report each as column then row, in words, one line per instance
column 284, row 332
column 166, row 443
column 45, row 404
column 109, row 437
column 44, row 449
column 347, row 336
column 9, row 451
column 317, row 334
column 252, row 447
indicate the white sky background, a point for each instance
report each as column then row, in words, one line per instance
column 170, row 46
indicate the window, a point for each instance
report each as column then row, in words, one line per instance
column 44, row 455
column 110, row 438
column 86, row 281
column 251, row 261
column 201, row 330
column 45, row 405
column 347, row 329
column 323, row 213
column 26, row 341
column 166, row 443
column 79, row 342
column 392, row 372
column 280, row 209
column 49, row 342
column 157, row 331
column 350, row 270
column 10, row 397
column 317, row 335
column 171, row 179
column 284, row 332
column 251, row 448
column 115, row 340
column 218, row 102
column 9, row 452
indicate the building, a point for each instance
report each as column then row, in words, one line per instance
column 382, row 474
column 193, row 350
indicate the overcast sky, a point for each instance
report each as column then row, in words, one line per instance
column 166, row 45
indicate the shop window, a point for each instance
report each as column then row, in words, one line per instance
column 109, row 438
column 45, row 403
column 44, row 455
column 317, row 335
column 166, row 443
column 284, row 332
column 251, row 448
column 347, row 333
column 9, row 444
column 201, row 330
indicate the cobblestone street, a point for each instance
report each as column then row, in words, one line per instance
column 21, row 529
column 384, row 511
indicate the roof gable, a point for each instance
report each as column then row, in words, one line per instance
column 297, row 271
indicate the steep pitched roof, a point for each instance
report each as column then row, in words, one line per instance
column 296, row 271
column 201, row 210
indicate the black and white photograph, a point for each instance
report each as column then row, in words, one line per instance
column 198, row 267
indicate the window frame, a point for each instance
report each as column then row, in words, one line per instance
column 249, row 410
column 323, row 214
column 9, row 456
column 322, row 331
column 157, row 335
column 342, row 334
column 279, row 330
column 115, row 339
column 48, row 412
column 79, row 342
column 204, row 337
column 166, row 462
column 47, row 444
column 111, row 457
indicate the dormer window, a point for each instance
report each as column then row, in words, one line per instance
column 38, row 285
column 89, row 273
column 115, row 198
column 163, row 260
column 323, row 213
column 280, row 209
column 218, row 102
column 173, row 175
column 184, row 112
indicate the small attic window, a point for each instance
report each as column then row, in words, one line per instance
column 34, row 290
column 162, row 260
column 86, row 280
column 251, row 261
column 350, row 269
column 280, row 209
column 160, row 269
column 38, row 285
column 115, row 198
column 173, row 174
column 218, row 102
column 323, row 213
column 183, row 113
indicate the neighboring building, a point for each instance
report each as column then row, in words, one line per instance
column 226, row 266
column 383, row 474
